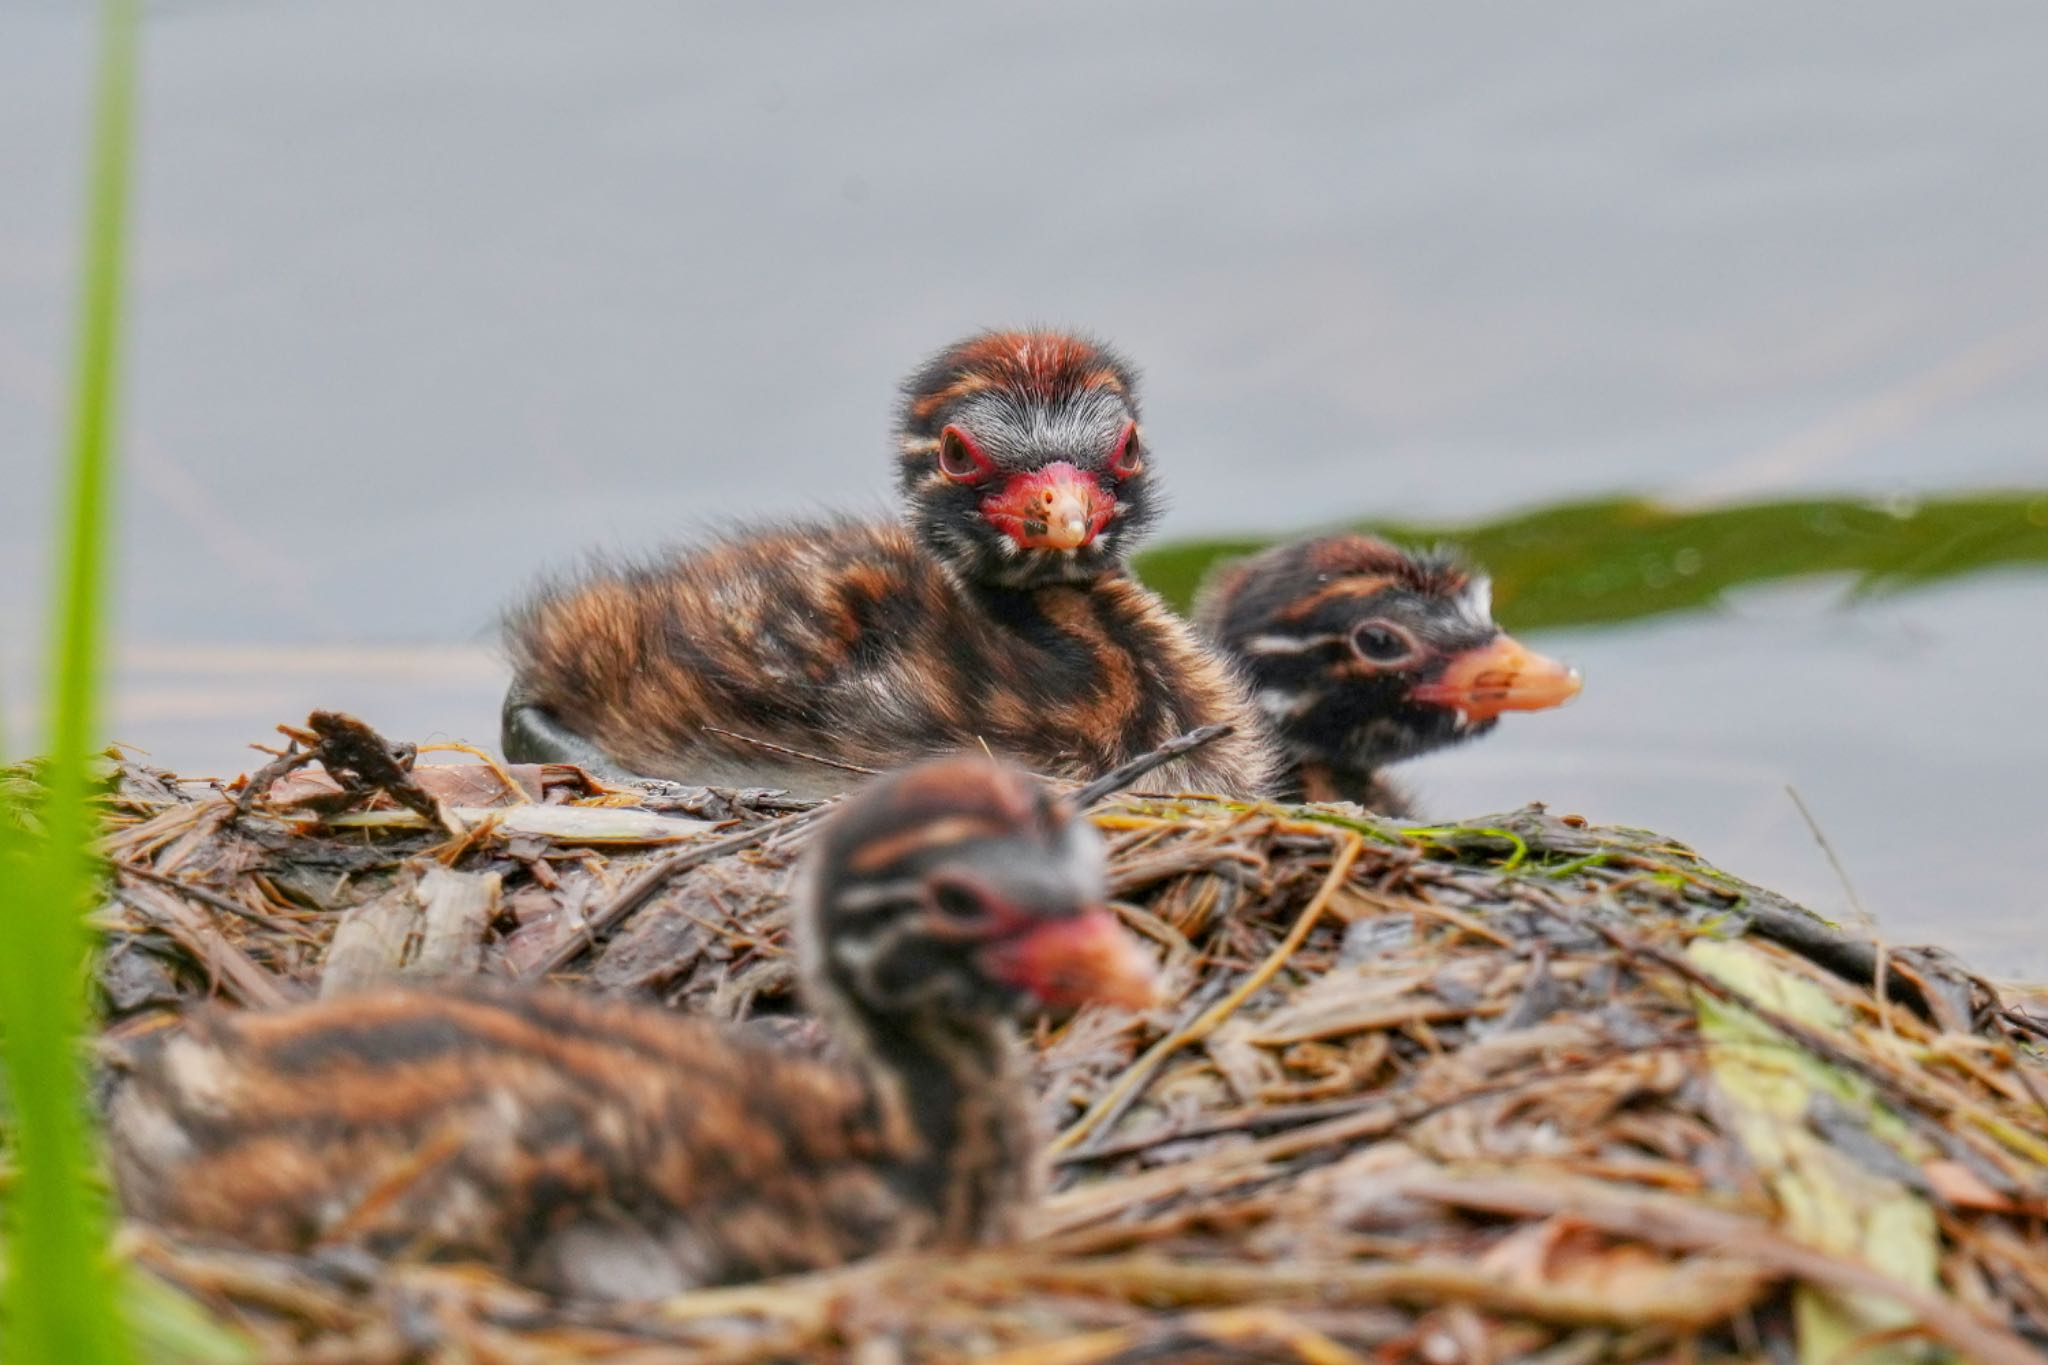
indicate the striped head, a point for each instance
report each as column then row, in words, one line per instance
column 962, row 889
column 1021, row 460
column 1360, row 654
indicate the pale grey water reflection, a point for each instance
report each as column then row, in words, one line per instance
column 430, row 296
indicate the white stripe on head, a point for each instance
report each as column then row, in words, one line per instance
column 867, row 896
column 1279, row 705
column 1475, row 604
column 1260, row 646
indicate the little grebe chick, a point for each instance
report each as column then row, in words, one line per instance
column 996, row 612
column 1360, row 655
column 612, row 1150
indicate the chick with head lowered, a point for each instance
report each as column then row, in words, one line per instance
column 606, row 1149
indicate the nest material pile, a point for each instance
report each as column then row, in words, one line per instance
column 1520, row 1089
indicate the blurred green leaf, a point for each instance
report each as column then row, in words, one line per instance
column 169, row 1326
column 60, row 1304
column 1611, row 560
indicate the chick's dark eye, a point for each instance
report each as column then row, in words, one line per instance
column 959, row 459
column 1129, row 457
column 1381, row 642
column 957, row 903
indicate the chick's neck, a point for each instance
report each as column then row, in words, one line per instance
column 953, row 1092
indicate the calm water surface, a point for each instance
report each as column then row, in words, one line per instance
column 428, row 297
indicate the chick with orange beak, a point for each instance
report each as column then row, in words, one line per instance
column 1361, row 655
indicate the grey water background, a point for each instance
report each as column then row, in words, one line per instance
column 428, row 297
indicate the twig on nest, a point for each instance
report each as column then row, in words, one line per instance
column 1123, row 775
column 485, row 757
column 286, row 762
column 207, row 945
column 787, row 752
column 218, row 902
column 358, row 758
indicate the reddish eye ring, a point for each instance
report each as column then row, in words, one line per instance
column 1129, row 458
column 960, row 459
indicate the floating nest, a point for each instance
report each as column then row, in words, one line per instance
column 1516, row 1089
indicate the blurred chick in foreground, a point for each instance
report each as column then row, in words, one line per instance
column 996, row 612
column 603, row 1149
column 1360, row 655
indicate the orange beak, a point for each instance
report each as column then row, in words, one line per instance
column 1054, row 508
column 1077, row 960
column 1500, row 676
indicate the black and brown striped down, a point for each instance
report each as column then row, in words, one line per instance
column 1334, row 634
column 848, row 641
column 870, row 644
column 609, row 1149
column 532, row 1130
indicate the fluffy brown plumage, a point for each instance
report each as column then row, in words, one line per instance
column 613, row 1150
column 1360, row 654
column 996, row 612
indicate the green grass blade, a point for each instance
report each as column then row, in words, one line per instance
column 59, row 1299
column 1608, row 561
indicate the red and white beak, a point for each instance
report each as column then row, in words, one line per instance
column 1056, row 507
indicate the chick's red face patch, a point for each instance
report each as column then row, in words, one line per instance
column 1057, row 507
